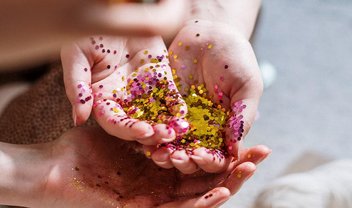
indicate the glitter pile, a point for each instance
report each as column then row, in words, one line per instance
column 154, row 98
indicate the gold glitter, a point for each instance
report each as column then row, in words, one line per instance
column 175, row 56
column 179, row 43
column 195, row 61
column 148, row 153
column 210, row 46
column 145, row 52
column 78, row 184
column 154, row 61
column 239, row 174
column 187, row 47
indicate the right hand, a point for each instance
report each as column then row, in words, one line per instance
column 90, row 169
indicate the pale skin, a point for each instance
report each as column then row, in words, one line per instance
column 24, row 156
column 33, row 31
column 108, row 71
column 211, row 48
column 88, row 168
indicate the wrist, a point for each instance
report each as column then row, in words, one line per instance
column 24, row 170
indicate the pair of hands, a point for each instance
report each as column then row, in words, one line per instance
column 85, row 167
column 95, row 67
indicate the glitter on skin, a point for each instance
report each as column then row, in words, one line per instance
column 153, row 98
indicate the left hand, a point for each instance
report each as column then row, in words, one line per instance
column 221, row 58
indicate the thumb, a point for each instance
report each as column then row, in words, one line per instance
column 77, row 79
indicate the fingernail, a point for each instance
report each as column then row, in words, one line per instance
column 167, row 139
column 149, row 133
column 198, row 160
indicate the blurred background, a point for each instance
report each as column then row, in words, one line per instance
column 308, row 108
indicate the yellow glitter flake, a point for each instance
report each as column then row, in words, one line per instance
column 210, row 46
column 148, row 153
column 123, row 78
column 154, row 60
column 179, row 43
column 175, row 56
column 170, row 53
column 145, row 52
column 239, row 174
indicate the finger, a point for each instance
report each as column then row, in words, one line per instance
column 162, row 134
column 114, row 120
column 182, row 162
column 209, row 161
column 77, row 79
column 254, row 154
column 241, row 174
column 161, row 157
column 163, row 18
column 211, row 199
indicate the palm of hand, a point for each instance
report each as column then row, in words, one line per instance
column 229, row 71
column 93, row 169
column 114, row 64
column 100, row 171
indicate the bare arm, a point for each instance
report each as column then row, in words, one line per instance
column 33, row 30
column 21, row 176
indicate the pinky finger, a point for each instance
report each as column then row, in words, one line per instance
column 240, row 175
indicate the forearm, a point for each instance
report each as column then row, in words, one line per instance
column 22, row 174
column 241, row 14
